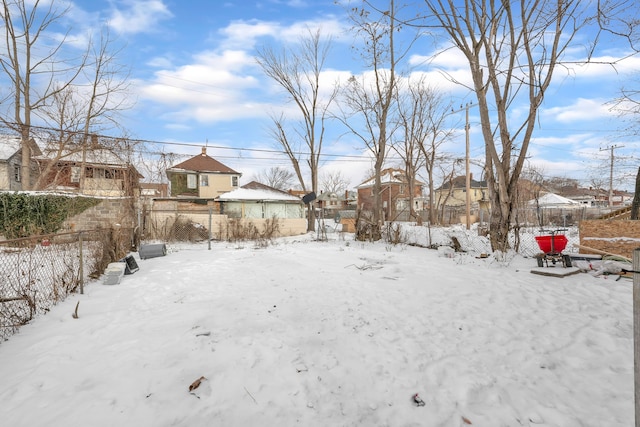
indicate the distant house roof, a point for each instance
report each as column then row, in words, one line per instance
column 461, row 182
column 11, row 144
column 388, row 176
column 202, row 163
column 256, row 191
column 553, row 200
column 98, row 156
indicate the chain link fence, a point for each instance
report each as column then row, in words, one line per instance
column 38, row 272
column 476, row 240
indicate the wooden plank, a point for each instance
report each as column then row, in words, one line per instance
column 598, row 251
column 555, row 271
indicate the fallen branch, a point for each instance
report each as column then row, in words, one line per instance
column 12, row 299
column 598, row 251
column 75, row 313
column 254, row 400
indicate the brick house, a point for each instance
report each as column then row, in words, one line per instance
column 202, row 177
column 394, row 192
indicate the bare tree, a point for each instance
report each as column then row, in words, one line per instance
column 35, row 77
column 369, row 99
column 334, row 182
column 276, row 177
column 513, row 49
column 89, row 106
column 422, row 113
column 298, row 71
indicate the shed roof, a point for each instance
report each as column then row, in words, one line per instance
column 255, row 191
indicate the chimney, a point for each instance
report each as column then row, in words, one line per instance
column 204, row 151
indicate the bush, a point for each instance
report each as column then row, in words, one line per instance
column 24, row 215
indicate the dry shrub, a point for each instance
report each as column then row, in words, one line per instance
column 237, row 230
column 112, row 247
column 393, row 234
column 366, row 228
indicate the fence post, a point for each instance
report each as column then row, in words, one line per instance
column 81, row 268
column 210, row 215
column 636, row 332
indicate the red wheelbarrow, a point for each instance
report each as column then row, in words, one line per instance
column 552, row 246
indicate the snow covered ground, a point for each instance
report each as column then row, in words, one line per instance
column 334, row 333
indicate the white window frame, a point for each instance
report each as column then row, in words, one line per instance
column 75, row 173
column 192, row 181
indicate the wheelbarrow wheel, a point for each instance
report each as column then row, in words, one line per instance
column 567, row 260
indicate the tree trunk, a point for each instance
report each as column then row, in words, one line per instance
column 635, row 205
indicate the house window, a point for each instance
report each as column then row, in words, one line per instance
column 204, row 180
column 234, row 181
column 16, row 173
column 75, row 174
column 191, row 181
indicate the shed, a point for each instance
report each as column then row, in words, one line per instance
column 259, row 201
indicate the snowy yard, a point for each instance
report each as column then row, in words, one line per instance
column 336, row 333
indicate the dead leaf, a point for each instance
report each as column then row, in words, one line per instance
column 466, row 420
column 194, row 385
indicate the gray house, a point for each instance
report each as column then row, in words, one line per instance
column 11, row 163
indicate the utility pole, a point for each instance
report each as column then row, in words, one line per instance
column 466, row 164
column 467, row 127
column 610, row 204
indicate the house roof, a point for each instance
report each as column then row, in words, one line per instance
column 11, row 144
column 255, row 191
column 552, row 199
column 461, row 182
column 98, row 156
column 388, row 176
column 202, row 163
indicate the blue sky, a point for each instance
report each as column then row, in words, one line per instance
column 195, row 81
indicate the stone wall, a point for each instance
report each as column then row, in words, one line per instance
column 111, row 212
column 619, row 237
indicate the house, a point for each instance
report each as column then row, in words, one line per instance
column 394, row 192
column 96, row 171
column 331, row 203
column 153, row 190
column 453, row 193
column 202, row 177
column 11, row 163
column 258, row 203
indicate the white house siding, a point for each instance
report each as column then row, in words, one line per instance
column 260, row 210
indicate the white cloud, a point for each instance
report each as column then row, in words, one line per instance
column 138, row 16
column 245, row 34
column 581, row 110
